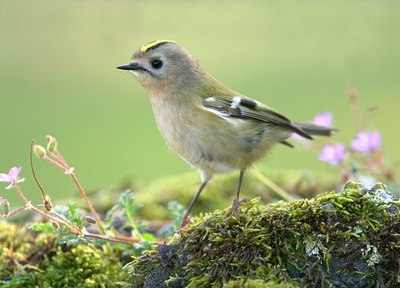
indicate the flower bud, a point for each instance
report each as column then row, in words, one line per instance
column 4, row 207
column 90, row 220
column 39, row 151
column 51, row 143
column 47, row 203
column 55, row 225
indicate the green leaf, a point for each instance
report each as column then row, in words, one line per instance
column 43, row 227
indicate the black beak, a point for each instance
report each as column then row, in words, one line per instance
column 130, row 66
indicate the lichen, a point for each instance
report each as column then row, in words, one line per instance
column 318, row 242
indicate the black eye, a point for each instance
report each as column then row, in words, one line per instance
column 157, row 64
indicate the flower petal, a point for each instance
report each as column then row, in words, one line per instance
column 14, row 172
column 5, row 178
column 375, row 140
column 333, row 154
column 12, row 185
column 366, row 141
column 324, row 119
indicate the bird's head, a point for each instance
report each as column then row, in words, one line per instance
column 163, row 65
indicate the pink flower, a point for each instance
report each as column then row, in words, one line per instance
column 333, row 154
column 12, row 177
column 324, row 119
column 366, row 141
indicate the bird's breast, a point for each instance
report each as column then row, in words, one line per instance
column 209, row 142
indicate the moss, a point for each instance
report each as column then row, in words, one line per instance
column 219, row 192
column 247, row 283
column 333, row 240
column 20, row 254
column 36, row 260
column 82, row 266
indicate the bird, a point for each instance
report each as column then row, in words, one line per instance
column 215, row 129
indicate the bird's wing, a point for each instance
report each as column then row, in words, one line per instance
column 246, row 108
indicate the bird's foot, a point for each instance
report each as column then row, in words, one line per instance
column 235, row 208
column 185, row 220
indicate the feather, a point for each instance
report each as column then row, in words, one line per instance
column 246, row 108
column 287, row 144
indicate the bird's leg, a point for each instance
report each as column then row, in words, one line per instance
column 235, row 203
column 187, row 211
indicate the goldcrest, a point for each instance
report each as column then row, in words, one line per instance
column 212, row 127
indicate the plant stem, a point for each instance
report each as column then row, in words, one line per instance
column 66, row 222
column 62, row 164
column 56, row 154
column 271, row 185
column 352, row 94
column 15, row 211
column 124, row 240
column 44, row 214
column 55, row 163
column 86, row 199
column 20, row 193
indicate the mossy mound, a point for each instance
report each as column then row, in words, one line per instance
column 247, row 283
column 341, row 239
column 82, row 266
column 220, row 191
column 29, row 259
column 20, row 249
column 218, row 194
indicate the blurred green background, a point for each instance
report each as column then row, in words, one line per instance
column 58, row 77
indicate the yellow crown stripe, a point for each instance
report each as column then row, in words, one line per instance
column 147, row 46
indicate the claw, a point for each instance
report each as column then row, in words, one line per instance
column 185, row 221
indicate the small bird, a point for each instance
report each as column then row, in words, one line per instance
column 212, row 127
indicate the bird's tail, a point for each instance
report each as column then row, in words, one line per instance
column 313, row 129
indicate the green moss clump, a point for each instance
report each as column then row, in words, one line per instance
column 248, row 283
column 36, row 260
column 82, row 266
column 20, row 250
column 333, row 240
column 219, row 192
